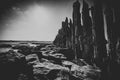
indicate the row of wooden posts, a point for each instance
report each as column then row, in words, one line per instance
column 93, row 35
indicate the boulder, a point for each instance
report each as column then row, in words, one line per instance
column 11, row 65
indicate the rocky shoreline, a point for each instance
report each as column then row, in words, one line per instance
column 46, row 62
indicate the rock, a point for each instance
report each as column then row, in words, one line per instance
column 83, row 71
column 11, row 65
column 48, row 69
column 51, row 64
column 58, row 55
column 53, row 74
column 24, row 48
column 5, row 45
column 67, row 53
column 32, row 59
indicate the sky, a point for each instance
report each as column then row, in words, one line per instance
column 33, row 19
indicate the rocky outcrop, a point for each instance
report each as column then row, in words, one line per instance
column 12, row 64
column 46, row 68
column 49, row 63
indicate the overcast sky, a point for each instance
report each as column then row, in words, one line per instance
column 35, row 20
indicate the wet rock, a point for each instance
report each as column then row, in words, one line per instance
column 5, row 45
column 50, row 64
column 83, row 71
column 32, row 59
column 58, row 55
column 53, row 74
column 23, row 48
column 11, row 65
column 47, row 69
column 67, row 53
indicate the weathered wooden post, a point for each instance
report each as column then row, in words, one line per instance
column 78, row 28
column 87, row 41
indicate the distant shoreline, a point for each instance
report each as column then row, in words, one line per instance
column 26, row 41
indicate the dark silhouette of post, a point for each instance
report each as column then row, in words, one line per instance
column 78, row 29
column 87, row 41
column 99, row 35
column 72, row 29
column 98, row 26
column 112, row 18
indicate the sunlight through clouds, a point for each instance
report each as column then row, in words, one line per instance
column 32, row 24
column 35, row 22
